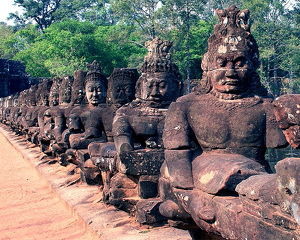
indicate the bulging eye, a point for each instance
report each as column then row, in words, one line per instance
column 221, row 62
column 240, row 62
column 128, row 90
column 162, row 84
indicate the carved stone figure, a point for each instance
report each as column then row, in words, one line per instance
column 45, row 119
column 42, row 99
column 215, row 140
column 138, row 128
column 77, row 102
column 121, row 91
column 30, row 116
column 95, row 90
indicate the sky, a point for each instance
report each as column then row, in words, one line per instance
column 6, row 7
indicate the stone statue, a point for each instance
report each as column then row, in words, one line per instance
column 30, row 116
column 42, row 99
column 77, row 102
column 45, row 117
column 138, row 128
column 121, row 91
column 215, row 140
column 95, row 91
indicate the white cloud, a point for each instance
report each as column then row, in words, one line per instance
column 6, row 7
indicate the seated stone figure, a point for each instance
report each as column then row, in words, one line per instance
column 121, row 91
column 138, row 128
column 14, row 112
column 42, row 103
column 45, row 120
column 215, row 140
column 95, row 91
column 77, row 100
column 29, row 117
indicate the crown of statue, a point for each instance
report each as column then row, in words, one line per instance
column 158, row 58
column 94, row 67
column 95, row 74
column 232, row 34
column 124, row 75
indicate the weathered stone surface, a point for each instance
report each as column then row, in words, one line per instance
column 288, row 177
column 260, row 187
column 103, row 155
column 79, row 120
column 147, row 186
column 141, row 162
column 287, row 112
column 147, row 211
column 230, row 118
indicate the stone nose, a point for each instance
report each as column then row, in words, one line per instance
column 231, row 73
column 95, row 93
column 155, row 91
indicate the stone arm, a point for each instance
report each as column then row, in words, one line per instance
column 274, row 135
column 94, row 125
column 59, row 127
column 122, row 132
column 75, row 125
column 287, row 112
column 177, row 141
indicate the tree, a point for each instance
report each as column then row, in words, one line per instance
column 144, row 13
column 46, row 12
column 273, row 28
column 40, row 11
column 183, row 13
column 67, row 46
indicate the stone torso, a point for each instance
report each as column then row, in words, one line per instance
column 242, row 126
column 142, row 122
column 221, row 124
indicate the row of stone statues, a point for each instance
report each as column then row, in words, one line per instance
column 196, row 161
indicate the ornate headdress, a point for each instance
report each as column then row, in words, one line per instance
column 232, row 35
column 95, row 74
column 159, row 60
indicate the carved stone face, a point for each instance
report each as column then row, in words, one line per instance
column 229, row 73
column 65, row 90
column 79, row 97
column 157, row 87
column 122, row 93
column 95, row 92
column 53, row 98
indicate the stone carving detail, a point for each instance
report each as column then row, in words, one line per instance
column 196, row 161
column 215, row 138
column 138, row 128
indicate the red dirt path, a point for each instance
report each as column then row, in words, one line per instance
column 28, row 209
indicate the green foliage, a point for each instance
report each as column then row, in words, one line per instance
column 114, row 32
column 199, row 34
column 67, row 46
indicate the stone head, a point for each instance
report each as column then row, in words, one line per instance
column 78, row 90
column 232, row 58
column 160, row 80
column 43, row 92
column 65, row 89
column 121, row 86
column 31, row 96
column 158, row 87
column 54, row 92
column 15, row 102
column 95, row 85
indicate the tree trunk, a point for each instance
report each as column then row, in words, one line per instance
column 277, row 88
column 188, row 47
